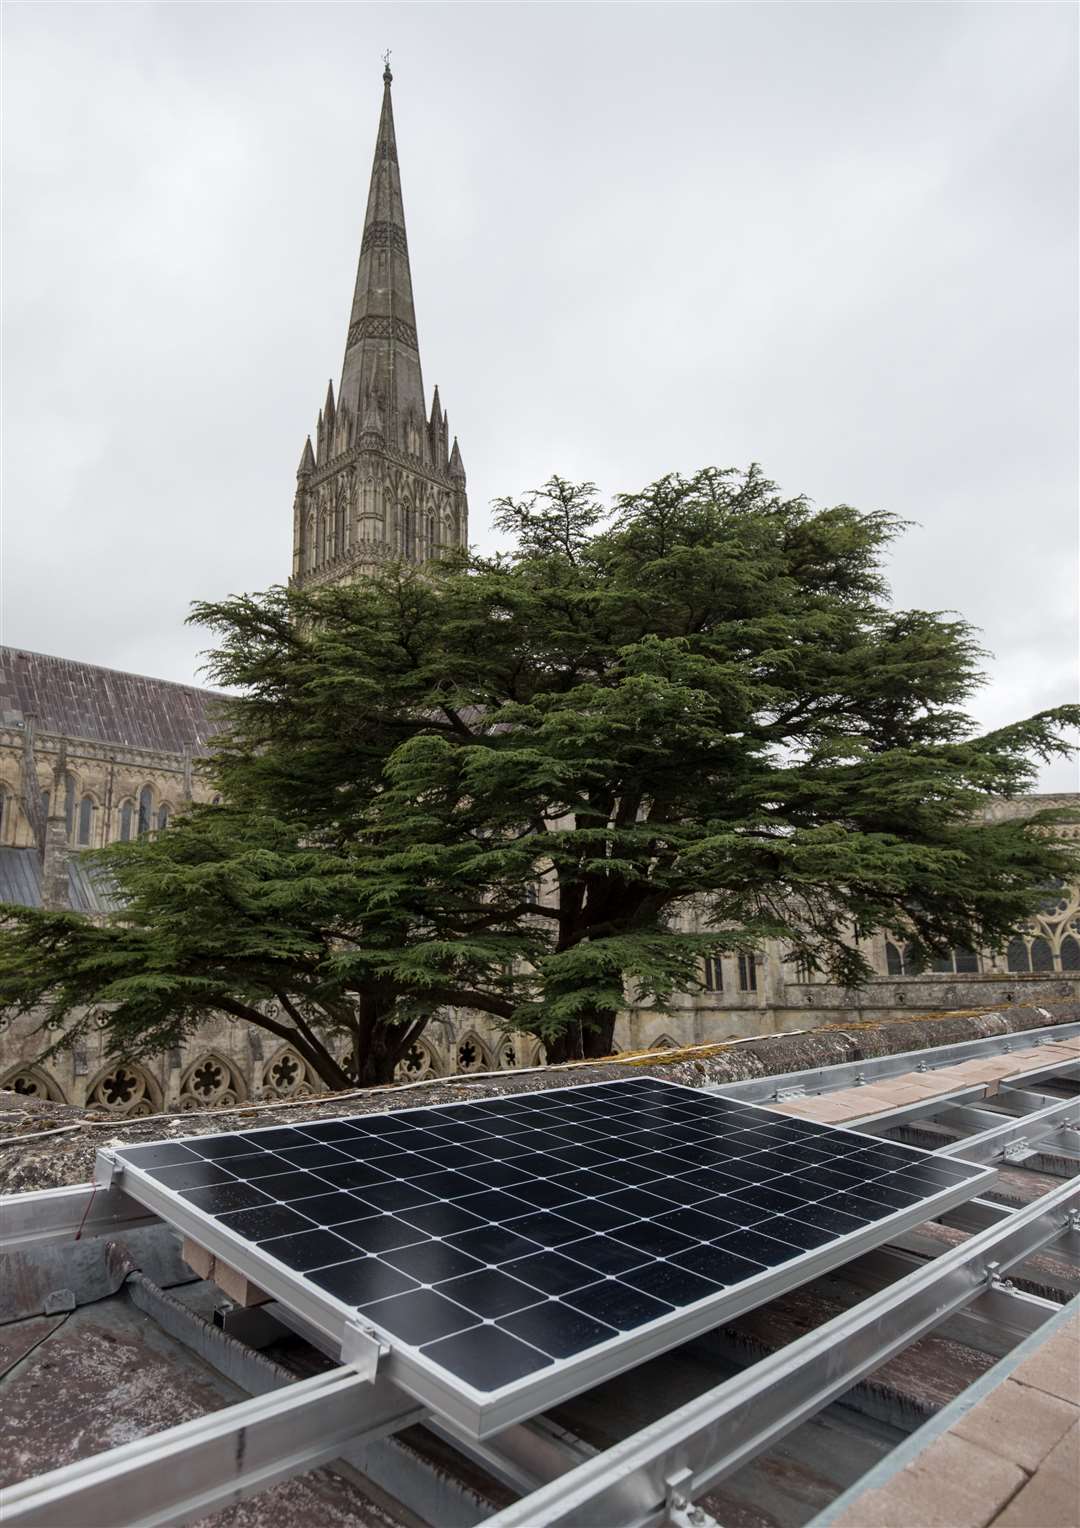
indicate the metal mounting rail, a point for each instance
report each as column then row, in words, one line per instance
column 1031, row 1128
column 846, row 1074
column 183, row 1473
column 712, row 1436
column 57, row 1214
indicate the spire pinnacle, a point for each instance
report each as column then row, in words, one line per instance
column 381, row 350
column 307, row 460
column 388, row 78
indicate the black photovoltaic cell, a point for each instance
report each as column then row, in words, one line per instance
column 502, row 1236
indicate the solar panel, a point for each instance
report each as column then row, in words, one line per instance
column 514, row 1250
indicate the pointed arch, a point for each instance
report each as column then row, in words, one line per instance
column 471, row 1054
column 85, row 826
column 1042, row 956
column 419, row 1061
column 211, row 1082
column 288, row 1075
column 71, row 791
column 32, row 1082
column 126, row 1089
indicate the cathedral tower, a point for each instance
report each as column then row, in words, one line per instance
column 383, row 480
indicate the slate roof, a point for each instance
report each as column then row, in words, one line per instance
column 103, row 705
column 20, row 882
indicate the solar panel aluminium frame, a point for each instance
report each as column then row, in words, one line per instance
column 482, row 1414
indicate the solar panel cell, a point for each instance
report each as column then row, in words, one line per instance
column 618, row 1304
column 557, row 1329
column 486, row 1354
column 363, row 1281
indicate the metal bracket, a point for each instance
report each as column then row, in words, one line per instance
column 1017, row 1150
column 783, row 1095
column 108, row 1169
column 679, row 1510
column 362, row 1348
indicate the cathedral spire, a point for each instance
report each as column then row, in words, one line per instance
column 382, row 483
column 381, row 352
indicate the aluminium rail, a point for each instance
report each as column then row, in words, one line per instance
column 848, row 1074
column 182, row 1473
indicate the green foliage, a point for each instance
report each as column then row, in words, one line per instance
column 699, row 697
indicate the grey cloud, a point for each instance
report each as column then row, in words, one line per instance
column 840, row 240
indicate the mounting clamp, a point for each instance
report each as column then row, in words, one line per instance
column 784, row 1095
column 679, row 1509
column 108, row 1168
column 362, row 1348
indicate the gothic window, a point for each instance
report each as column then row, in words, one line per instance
column 956, row 960
column 127, row 812
column 164, row 812
column 44, row 806
column 125, row 1089
column 367, row 500
column 32, row 1082
column 408, row 533
column 747, row 973
column 340, row 521
column 146, row 807
column 1042, row 957
column 287, row 1074
column 5, row 813
column 1070, row 953
column 471, row 1056
column 311, row 544
column 1016, row 956
column 209, row 1081
column 432, row 546
column 714, row 974
column 86, row 820
column 901, row 960
column 69, row 806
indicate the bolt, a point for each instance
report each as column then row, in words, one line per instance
column 696, row 1516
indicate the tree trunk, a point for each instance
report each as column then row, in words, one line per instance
column 386, row 1044
column 590, row 1040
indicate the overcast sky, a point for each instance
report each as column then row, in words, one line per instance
column 840, row 240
